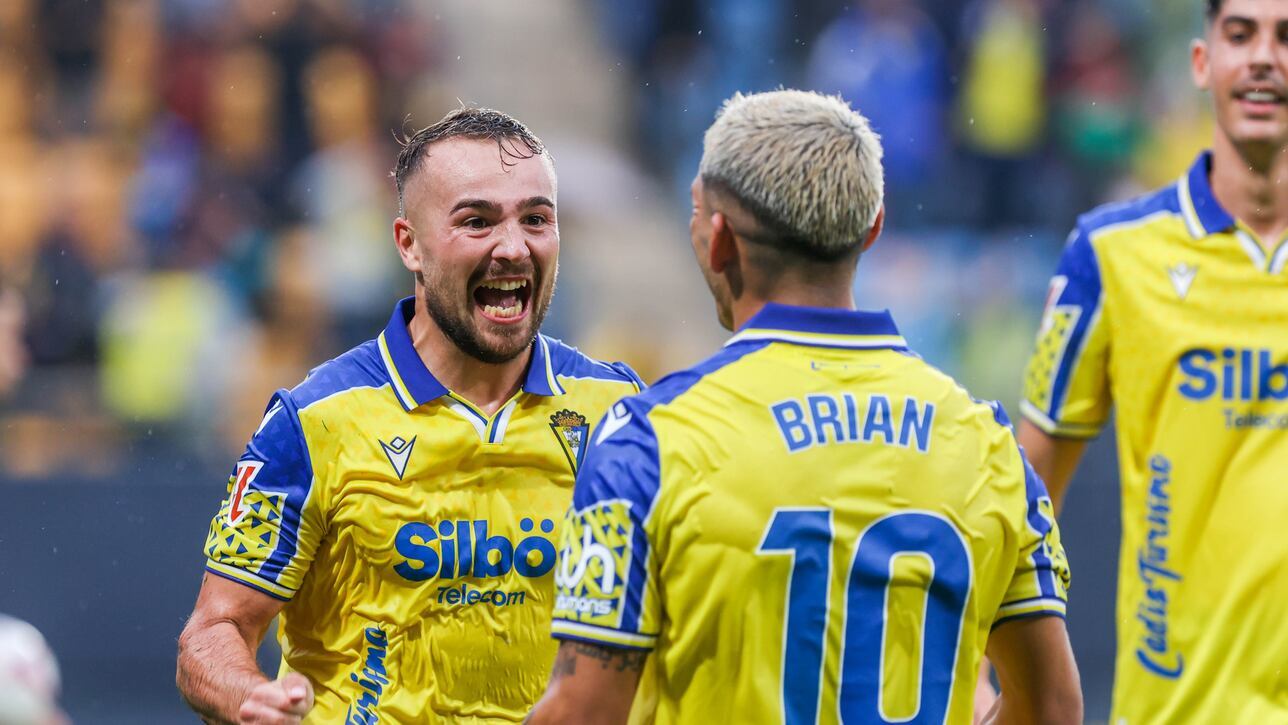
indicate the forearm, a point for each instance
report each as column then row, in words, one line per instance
column 1054, row 459
column 216, row 670
column 590, row 684
column 1037, row 672
column 1013, row 710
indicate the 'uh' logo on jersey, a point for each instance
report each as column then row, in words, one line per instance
column 571, row 430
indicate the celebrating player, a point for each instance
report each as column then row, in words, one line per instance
column 1174, row 308
column 399, row 506
column 812, row 523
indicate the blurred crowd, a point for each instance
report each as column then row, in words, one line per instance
column 993, row 113
column 195, row 200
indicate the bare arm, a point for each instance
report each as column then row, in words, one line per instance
column 590, row 684
column 217, row 673
column 1053, row 458
column 1037, row 672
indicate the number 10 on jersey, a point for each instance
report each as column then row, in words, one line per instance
column 806, row 535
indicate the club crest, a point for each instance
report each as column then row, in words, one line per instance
column 571, row 430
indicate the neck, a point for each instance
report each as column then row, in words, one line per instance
column 800, row 293
column 486, row 385
column 1251, row 182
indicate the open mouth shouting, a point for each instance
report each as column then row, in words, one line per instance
column 503, row 300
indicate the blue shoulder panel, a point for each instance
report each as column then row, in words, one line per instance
column 360, row 367
column 1161, row 200
column 570, row 362
column 286, row 470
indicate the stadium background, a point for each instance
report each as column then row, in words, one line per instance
column 195, row 208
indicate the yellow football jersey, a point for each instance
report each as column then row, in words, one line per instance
column 1171, row 309
column 813, row 525
column 412, row 536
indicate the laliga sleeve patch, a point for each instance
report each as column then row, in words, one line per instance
column 594, row 563
column 246, row 532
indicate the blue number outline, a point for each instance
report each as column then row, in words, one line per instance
column 935, row 581
column 801, row 705
column 783, row 536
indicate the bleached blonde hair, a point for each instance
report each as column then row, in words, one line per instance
column 806, row 165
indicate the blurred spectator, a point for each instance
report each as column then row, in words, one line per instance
column 168, row 338
column 1096, row 94
column 1003, row 106
column 185, row 183
column 86, row 239
column 29, row 679
column 344, row 191
column 126, row 92
column 887, row 59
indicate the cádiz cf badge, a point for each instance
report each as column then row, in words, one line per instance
column 572, row 432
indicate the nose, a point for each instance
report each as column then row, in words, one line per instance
column 512, row 244
column 1262, row 54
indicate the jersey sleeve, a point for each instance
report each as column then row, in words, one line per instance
column 1040, row 583
column 629, row 372
column 1066, row 384
column 265, row 533
column 606, row 576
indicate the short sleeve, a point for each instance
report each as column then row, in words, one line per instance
column 264, row 535
column 605, row 580
column 1040, row 583
column 1066, row 384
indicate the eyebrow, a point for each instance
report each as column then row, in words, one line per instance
column 481, row 204
column 536, row 201
column 493, row 208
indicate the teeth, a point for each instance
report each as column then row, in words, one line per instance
column 504, row 312
column 1261, row 96
column 506, row 285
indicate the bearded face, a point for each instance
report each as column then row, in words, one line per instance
column 486, row 245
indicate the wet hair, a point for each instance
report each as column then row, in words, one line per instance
column 513, row 140
column 805, row 165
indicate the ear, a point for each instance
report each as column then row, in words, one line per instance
column 723, row 250
column 405, row 240
column 877, row 225
column 1199, row 66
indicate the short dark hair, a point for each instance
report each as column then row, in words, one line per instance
column 1214, row 9
column 513, row 140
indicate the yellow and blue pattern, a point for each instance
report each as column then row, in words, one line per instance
column 1173, row 311
column 794, row 525
column 412, row 535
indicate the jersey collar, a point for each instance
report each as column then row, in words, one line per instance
column 1203, row 214
column 821, row 327
column 415, row 385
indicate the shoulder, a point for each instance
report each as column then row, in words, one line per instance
column 628, row 423
column 951, row 397
column 360, row 367
column 675, row 386
column 1160, row 203
column 567, row 361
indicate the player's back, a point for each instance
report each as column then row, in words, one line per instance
column 835, row 528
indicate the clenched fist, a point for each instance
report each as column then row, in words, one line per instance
column 280, row 702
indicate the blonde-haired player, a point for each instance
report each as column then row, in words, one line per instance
column 814, row 524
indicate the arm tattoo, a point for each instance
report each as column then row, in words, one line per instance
column 565, row 663
column 617, row 658
column 620, row 660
